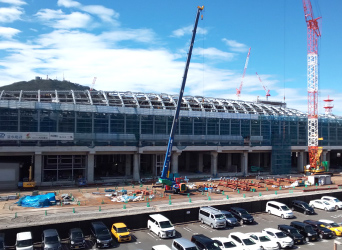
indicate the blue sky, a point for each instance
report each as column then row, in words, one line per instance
column 141, row 46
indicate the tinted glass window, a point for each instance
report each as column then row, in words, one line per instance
column 24, row 243
column 280, row 235
column 165, row 224
column 248, row 242
column 229, row 244
column 51, row 239
column 264, row 239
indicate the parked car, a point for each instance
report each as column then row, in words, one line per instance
column 283, row 241
column 76, row 238
column 336, row 228
column 242, row 215
column 2, row 241
column 183, row 244
column 243, row 241
column 121, row 232
column 161, row 226
column 279, row 209
column 306, row 230
column 292, row 232
column 204, row 243
column 161, row 247
column 24, row 241
column 264, row 241
column 99, row 235
column 321, row 204
column 302, row 207
column 230, row 219
column 225, row 243
column 212, row 217
column 323, row 232
column 51, row 240
column 333, row 201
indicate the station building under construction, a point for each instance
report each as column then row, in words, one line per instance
column 105, row 135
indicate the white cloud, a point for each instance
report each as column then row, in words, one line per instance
column 68, row 3
column 188, row 30
column 213, row 53
column 7, row 32
column 235, row 46
column 105, row 14
column 138, row 35
column 8, row 15
column 59, row 20
column 13, row 2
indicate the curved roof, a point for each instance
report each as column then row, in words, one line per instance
column 151, row 101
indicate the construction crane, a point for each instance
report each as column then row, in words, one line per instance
column 238, row 91
column 313, row 33
column 93, row 83
column 265, row 87
column 165, row 172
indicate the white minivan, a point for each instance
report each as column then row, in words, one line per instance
column 279, row 209
column 161, row 226
column 24, row 241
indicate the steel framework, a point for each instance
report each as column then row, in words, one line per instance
column 313, row 33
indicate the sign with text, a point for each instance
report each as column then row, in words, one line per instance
column 36, row 136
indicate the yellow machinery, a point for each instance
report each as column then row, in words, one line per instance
column 28, row 183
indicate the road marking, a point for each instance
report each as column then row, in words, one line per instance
column 153, row 236
column 206, row 227
column 188, row 229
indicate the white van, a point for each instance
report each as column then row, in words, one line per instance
column 24, row 241
column 161, row 226
column 279, row 209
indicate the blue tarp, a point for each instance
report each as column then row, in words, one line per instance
column 42, row 200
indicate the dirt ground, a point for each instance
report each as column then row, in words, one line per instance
column 146, row 194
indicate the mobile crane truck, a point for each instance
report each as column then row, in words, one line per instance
column 178, row 187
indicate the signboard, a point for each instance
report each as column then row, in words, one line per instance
column 36, row 136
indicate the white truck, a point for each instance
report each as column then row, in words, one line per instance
column 161, row 226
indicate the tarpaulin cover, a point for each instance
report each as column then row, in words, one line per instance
column 42, row 200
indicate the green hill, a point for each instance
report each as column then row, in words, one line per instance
column 41, row 84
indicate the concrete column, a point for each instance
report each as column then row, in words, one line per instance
column 187, row 161
column 213, row 167
column 38, row 168
column 136, row 167
column 174, row 168
column 258, row 159
column 90, row 167
column 200, row 162
column 128, row 165
column 324, row 158
column 228, row 161
column 244, row 163
column 300, row 162
column 305, row 159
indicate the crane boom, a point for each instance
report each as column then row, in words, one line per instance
column 238, row 91
column 163, row 178
column 266, row 90
column 93, row 83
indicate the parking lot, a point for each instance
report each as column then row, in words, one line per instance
column 144, row 239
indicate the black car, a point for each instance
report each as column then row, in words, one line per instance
column 51, row 240
column 204, row 243
column 306, row 230
column 323, row 232
column 100, row 235
column 242, row 215
column 2, row 241
column 76, row 238
column 293, row 233
column 302, row 207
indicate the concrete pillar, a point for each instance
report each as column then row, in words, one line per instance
column 128, row 165
column 174, row 168
column 228, row 161
column 258, row 159
column 244, row 163
column 187, row 161
column 324, row 156
column 213, row 167
column 38, row 168
column 90, row 167
column 300, row 162
column 305, row 158
column 136, row 167
column 200, row 162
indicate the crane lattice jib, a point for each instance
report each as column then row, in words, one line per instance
column 167, row 160
column 313, row 34
column 238, row 91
